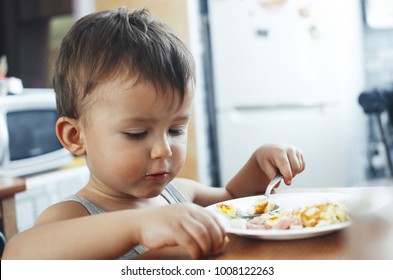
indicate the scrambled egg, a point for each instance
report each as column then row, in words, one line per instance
column 261, row 206
column 322, row 214
column 306, row 216
column 226, row 209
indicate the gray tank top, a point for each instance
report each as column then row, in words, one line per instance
column 170, row 193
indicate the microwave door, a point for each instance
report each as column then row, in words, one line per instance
column 28, row 141
column 3, row 139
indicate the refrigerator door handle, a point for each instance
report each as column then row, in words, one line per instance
column 285, row 106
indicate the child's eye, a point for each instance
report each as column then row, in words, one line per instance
column 177, row 132
column 136, row 136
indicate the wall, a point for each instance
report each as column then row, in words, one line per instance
column 24, row 30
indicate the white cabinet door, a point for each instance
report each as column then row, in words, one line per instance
column 317, row 131
column 270, row 56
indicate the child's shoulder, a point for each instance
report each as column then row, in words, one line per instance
column 63, row 210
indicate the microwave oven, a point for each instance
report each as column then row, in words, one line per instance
column 28, row 141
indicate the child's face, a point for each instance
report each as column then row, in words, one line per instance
column 135, row 138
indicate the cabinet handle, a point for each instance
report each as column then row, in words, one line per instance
column 283, row 106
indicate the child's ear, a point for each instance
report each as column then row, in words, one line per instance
column 68, row 132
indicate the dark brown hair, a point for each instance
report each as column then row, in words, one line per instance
column 104, row 44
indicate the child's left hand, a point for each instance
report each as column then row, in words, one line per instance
column 288, row 160
column 263, row 165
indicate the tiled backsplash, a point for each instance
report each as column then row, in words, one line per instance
column 46, row 189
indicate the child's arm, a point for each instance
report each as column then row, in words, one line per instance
column 262, row 166
column 252, row 179
column 110, row 235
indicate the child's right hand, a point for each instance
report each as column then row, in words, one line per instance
column 184, row 224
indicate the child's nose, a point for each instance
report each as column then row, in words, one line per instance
column 161, row 148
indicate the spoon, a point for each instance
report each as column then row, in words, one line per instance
column 273, row 183
column 277, row 179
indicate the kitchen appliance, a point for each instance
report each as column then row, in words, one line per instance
column 375, row 102
column 289, row 72
column 28, row 141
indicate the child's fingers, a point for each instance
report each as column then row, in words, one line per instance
column 180, row 231
column 200, row 236
column 215, row 230
column 284, row 166
column 223, row 240
column 206, row 231
column 295, row 163
column 190, row 226
column 301, row 159
column 185, row 239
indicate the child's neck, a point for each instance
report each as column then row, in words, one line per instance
column 109, row 202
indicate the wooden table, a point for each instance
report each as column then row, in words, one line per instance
column 337, row 245
column 8, row 188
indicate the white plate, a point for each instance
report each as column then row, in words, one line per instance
column 289, row 200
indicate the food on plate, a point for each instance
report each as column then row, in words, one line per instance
column 281, row 219
column 226, row 209
column 226, row 240
column 322, row 214
column 262, row 205
column 316, row 215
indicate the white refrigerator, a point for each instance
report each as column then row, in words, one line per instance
column 290, row 72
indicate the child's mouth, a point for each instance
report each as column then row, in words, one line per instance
column 159, row 176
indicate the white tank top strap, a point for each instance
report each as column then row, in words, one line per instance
column 172, row 194
column 90, row 207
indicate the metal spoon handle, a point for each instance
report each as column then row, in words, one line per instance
column 272, row 183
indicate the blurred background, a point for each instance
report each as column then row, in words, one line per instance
column 315, row 74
